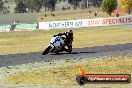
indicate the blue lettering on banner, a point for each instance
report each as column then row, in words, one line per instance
column 62, row 25
column 78, row 24
column 67, row 24
column 50, row 25
column 57, row 25
column 71, row 23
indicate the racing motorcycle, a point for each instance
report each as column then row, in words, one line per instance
column 56, row 45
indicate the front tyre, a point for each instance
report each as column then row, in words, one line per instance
column 46, row 51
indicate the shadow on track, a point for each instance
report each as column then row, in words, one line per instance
column 71, row 53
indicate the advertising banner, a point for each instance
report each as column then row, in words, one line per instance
column 124, row 20
column 5, row 28
column 108, row 21
column 61, row 24
column 26, row 27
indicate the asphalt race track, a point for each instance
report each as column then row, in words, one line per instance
column 78, row 53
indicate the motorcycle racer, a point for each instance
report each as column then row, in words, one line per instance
column 68, row 39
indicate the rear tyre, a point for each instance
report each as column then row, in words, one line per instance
column 46, row 50
column 69, row 51
column 57, row 53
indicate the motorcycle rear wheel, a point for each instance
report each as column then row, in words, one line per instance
column 57, row 53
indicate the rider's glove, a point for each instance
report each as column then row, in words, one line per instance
column 54, row 36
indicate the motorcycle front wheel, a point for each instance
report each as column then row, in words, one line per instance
column 46, row 51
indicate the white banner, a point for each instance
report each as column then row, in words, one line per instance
column 86, row 23
column 108, row 21
column 61, row 24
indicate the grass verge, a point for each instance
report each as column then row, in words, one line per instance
column 65, row 75
column 35, row 41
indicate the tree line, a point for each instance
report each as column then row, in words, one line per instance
column 25, row 6
column 30, row 6
column 36, row 5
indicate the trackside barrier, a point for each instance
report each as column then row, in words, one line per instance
column 61, row 24
column 26, row 27
column 5, row 28
column 124, row 20
column 19, row 27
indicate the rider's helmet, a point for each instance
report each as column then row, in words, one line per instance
column 70, row 31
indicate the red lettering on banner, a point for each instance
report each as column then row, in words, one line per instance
column 107, row 21
column 97, row 21
column 113, row 21
column 93, row 22
column 124, row 21
column 110, row 21
column 120, row 21
column 129, row 20
column 89, row 23
column 104, row 21
column 116, row 21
